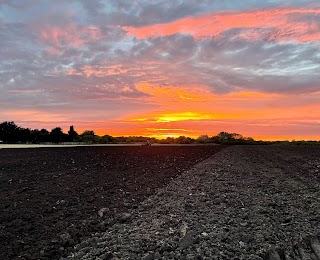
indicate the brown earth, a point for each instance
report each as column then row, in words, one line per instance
column 50, row 197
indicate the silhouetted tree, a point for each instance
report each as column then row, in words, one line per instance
column 107, row 139
column 44, row 135
column 72, row 134
column 168, row 140
column 225, row 137
column 231, row 138
column 88, row 136
column 23, row 135
column 88, row 132
column 203, row 139
column 41, row 136
column 56, row 135
column 183, row 140
column 9, row 132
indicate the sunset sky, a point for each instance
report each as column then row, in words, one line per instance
column 162, row 67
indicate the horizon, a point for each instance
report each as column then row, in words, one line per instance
column 163, row 68
column 169, row 135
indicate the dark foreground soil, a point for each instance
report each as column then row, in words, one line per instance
column 53, row 198
column 244, row 203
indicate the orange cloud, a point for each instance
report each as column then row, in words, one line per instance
column 275, row 24
column 174, row 117
column 175, row 93
column 70, row 34
column 183, row 116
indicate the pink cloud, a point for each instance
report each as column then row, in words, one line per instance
column 273, row 24
column 71, row 35
column 53, row 51
column 25, row 90
column 110, row 70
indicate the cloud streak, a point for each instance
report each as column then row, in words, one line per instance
column 271, row 25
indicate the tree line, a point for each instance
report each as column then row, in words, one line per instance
column 12, row 134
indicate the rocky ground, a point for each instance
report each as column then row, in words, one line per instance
column 51, row 199
column 245, row 202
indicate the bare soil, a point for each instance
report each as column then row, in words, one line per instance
column 243, row 203
column 51, row 199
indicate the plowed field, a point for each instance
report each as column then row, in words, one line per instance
column 50, row 197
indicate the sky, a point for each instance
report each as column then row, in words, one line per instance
column 162, row 68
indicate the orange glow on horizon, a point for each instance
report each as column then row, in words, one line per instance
column 206, row 114
column 183, row 117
